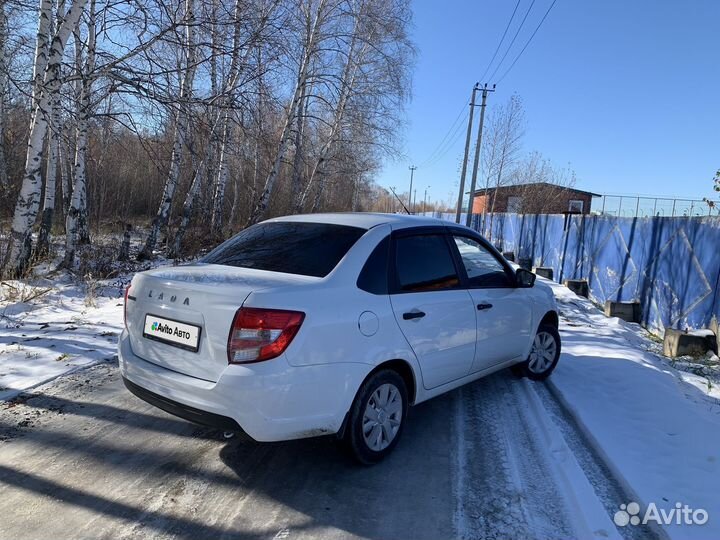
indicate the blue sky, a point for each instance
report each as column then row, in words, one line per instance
column 625, row 91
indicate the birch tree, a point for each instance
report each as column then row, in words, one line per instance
column 503, row 143
column 4, row 77
column 18, row 253
column 181, row 133
column 76, row 221
column 315, row 15
column 53, row 149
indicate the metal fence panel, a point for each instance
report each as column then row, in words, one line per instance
column 671, row 265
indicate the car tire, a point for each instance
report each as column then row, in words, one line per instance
column 544, row 355
column 374, row 427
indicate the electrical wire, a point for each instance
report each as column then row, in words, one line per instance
column 449, row 131
column 528, row 41
column 522, row 23
column 450, row 144
column 502, row 39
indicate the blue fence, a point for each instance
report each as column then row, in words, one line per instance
column 671, row 265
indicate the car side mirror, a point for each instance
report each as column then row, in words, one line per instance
column 524, row 278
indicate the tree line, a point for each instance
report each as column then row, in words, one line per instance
column 199, row 117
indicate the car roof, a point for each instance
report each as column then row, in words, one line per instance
column 365, row 220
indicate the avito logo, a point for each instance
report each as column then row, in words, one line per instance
column 162, row 328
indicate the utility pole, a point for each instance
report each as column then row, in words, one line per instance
column 485, row 90
column 467, row 152
column 425, row 199
column 412, row 168
column 415, row 200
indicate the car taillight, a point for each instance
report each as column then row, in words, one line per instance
column 261, row 334
column 127, row 293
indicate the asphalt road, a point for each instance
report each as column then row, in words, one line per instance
column 83, row 458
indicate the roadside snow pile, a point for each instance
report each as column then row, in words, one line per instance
column 53, row 327
column 658, row 428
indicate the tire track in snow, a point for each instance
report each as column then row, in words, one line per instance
column 503, row 480
column 609, row 490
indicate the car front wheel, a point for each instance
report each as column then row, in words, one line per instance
column 544, row 354
column 377, row 416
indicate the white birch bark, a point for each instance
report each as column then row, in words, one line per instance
column 76, row 220
column 4, row 182
column 296, row 182
column 42, row 42
column 53, row 147
column 216, row 221
column 175, row 249
column 347, row 86
column 17, row 255
column 46, row 220
column 65, row 184
column 180, row 136
column 309, row 51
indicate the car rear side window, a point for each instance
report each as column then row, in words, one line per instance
column 290, row 247
column 374, row 275
column 424, row 263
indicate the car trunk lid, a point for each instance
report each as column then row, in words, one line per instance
column 200, row 300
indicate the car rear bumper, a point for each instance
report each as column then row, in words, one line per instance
column 183, row 411
column 269, row 401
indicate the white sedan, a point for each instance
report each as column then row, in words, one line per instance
column 332, row 324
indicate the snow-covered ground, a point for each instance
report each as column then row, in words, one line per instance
column 52, row 327
column 653, row 430
column 658, row 428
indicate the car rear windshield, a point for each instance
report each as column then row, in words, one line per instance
column 306, row 249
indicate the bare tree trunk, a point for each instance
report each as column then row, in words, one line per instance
column 216, row 222
column 175, row 249
column 309, row 51
column 227, row 139
column 26, row 208
column 46, row 219
column 296, row 183
column 348, row 83
column 124, row 253
column 236, row 199
column 63, row 158
column 76, row 230
column 41, row 53
column 4, row 182
column 181, row 132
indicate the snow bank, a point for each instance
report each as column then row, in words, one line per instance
column 657, row 427
column 54, row 328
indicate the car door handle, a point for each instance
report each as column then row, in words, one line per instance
column 413, row 315
column 483, row 306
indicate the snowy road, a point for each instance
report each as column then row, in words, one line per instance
column 87, row 459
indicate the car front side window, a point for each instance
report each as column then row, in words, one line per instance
column 481, row 266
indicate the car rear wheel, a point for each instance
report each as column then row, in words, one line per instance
column 376, row 417
column 544, row 354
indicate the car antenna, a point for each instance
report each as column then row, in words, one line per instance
column 400, row 201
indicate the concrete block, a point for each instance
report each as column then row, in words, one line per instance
column 681, row 343
column 544, row 271
column 627, row 311
column 578, row 286
column 509, row 255
column 715, row 329
column 525, row 263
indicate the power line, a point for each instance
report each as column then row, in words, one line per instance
column 522, row 23
column 507, row 27
column 450, row 130
column 449, row 145
column 528, row 41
